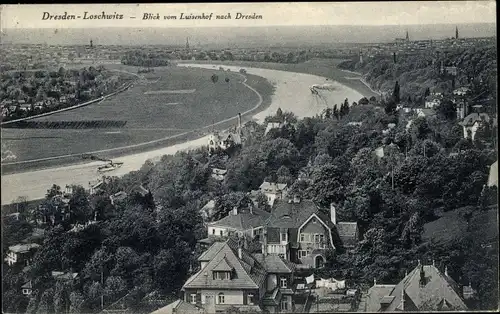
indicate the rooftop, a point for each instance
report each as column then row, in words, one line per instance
column 243, row 220
column 248, row 273
column 23, row 248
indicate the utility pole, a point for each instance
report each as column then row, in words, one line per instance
column 392, row 177
column 102, row 287
column 424, row 151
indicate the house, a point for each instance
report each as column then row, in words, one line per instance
column 300, row 231
column 273, row 191
column 384, row 150
column 231, row 277
column 208, row 210
column 432, row 102
column 273, row 125
column 21, row 253
column 493, row 176
column 461, row 91
column 425, row 288
column 462, row 109
column 64, row 276
column 118, row 197
column 248, row 221
column 27, row 288
column 437, row 92
column 95, row 186
column 425, row 112
column 218, row 174
column 224, row 140
column 472, row 123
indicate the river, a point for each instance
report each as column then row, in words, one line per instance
column 291, row 93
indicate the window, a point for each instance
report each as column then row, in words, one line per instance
column 250, row 299
column 284, row 237
column 283, row 282
column 284, row 304
column 302, row 237
column 221, row 275
column 213, row 231
column 221, row 233
column 193, row 298
column 220, row 298
column 303, row 253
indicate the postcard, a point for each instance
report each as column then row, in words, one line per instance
column 292, row 157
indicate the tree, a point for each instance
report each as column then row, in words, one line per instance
column 396, row 93
column 336, row 112
column 46, row 304
column 77, row 302
column 447, row 109
column 114, row 288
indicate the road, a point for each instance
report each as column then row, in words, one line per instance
column 291, row 94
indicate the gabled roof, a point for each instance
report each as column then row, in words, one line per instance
column 223, row 265
column 473, row 118
column 243, row 220
column 290, row 214
column 27, row 285
column 247, row 274
column 179, row 307
column 23, row 248
column 271, row 187
column 437, row 287
column 59, row 275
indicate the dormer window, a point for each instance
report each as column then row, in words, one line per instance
column 222, row 275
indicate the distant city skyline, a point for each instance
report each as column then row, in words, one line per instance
column 245, row 36
column 273, row 14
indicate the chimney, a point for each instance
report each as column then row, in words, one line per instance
column 264, row 242
column 446, row 271
column 333, row 213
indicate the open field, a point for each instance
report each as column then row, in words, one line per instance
column 320, row 67
column 135, row 117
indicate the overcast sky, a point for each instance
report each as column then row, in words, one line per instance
column 354, row 13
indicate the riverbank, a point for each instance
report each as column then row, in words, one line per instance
column 291, row 93
column 263, row 101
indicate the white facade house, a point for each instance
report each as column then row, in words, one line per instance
column 273, row 191
column 432, row 102
column 21, row 253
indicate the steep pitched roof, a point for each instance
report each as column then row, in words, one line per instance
column 23, row 248
column 274, row 263
column 244, row 220
column 291, row 215
column 248, row 273
column 438, row 287
column 473, row 117
column 271, row 187
column 223, row 265
column 179, row 307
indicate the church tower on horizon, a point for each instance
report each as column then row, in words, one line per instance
column 91, row 43
column 456, row 32
column 187, row 42
column 407, row 37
